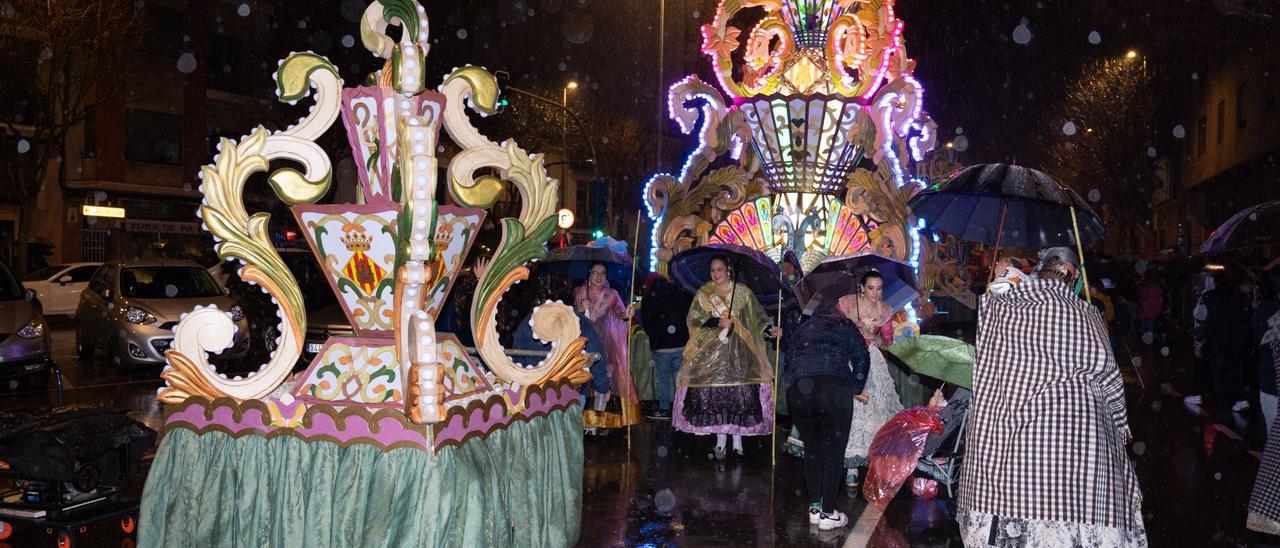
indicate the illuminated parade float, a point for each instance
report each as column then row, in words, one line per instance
column 822, row 140
column 394, row 436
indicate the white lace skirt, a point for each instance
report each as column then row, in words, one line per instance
column 882, row 404
column 975, row 529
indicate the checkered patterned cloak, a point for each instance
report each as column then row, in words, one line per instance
column 1047, row 434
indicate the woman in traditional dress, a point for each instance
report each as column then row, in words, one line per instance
column 724, row 387
column 1045, row 460
column 602, row 305
column 879, row 400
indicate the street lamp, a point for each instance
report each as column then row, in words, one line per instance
column 1133, row 54
column 564, row 121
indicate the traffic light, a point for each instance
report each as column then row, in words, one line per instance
column 502, row 77
column 599, row 233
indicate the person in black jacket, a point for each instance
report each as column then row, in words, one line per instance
column 827, row 365
column 663, row 317
column 1224, row 350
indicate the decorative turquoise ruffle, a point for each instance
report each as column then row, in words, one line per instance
column 519, row 486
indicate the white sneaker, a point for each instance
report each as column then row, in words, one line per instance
column 1191, row 400
column 834, row 520
column 815, row 515
column 1242, row 405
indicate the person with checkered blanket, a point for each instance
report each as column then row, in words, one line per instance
column 1046, row 463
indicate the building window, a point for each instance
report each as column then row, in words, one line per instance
column 1242, row 120
column 153, row 137
column 165, row 35
column 225, row 63
column 90, row 132
column 1222, row 119
column 1202, row 135
column 95, row 249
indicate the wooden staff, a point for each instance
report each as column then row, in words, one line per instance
column 1075, row 228
column 777, row 353
column 631, row 297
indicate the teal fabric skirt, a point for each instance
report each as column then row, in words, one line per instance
column 519, row 486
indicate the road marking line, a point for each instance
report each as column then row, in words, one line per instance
column 864, row 527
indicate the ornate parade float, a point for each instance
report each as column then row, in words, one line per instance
column 394, row 436
column 822, row 140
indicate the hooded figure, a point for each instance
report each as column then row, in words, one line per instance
column 1045, row 461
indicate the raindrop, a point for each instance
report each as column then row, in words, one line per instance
column 662, row 451
column 604, row 140
column 170, row 290
column 440, row 148
column 959, row 130
column 186, row 63
column 1217, row 476
column 1149, row 338
column 1095, row 38
column 1179, row 131
column 913, row 380
column 1155, row 406
column 671, row 330
column 186, row 186
column 664, row 500
column 960, row 144
column 92, row 220
column 595, row 85
column 100, row 196
column 1164, row 351
column 352, row 10
column 696, row 14
column 348, row 41
column 1022, row 34
column 1253, row 216
column 1031, row 95
column 302, row 24
column 1201, row 312
column 530, row 12
column 1195, row 76
column 1139, row 448
column 1069, row 128
column 462, row 34
column 1137, row 361
column 1151, row 152
column 1094, row 195
column 563, row 66
column 243, row 10
column 1140, row 266
column 23, row 146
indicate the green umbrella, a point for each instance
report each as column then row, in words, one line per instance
column 942, row 358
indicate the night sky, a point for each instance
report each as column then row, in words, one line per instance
column 992, row 70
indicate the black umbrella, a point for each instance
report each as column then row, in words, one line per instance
column 1013, row 206
column 836, row 277
column 575, row 261
column 692, row 269
column 1007, row 205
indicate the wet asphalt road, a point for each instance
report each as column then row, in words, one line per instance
column 661, row 490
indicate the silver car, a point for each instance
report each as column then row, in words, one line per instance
column 130, row 309
column 24, row 336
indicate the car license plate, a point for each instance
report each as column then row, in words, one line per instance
column 314, row 348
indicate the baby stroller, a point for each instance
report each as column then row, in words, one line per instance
column 943, row 453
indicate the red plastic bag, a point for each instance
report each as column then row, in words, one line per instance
column 924, row 488
column 895, row 450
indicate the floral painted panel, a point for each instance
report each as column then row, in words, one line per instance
column 355, row 245
column 353, row 371
column 463, row 375
column 456, row 229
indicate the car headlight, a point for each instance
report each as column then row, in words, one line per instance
column 138, row 316
column 33, row 329
column 237, row 313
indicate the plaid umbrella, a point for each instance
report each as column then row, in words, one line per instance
column 943, row 358
column 838, row 276
column 692, row 269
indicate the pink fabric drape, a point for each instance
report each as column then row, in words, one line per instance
column 604, row 307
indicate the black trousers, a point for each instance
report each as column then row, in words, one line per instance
column 1219, row 374
column 822, row 408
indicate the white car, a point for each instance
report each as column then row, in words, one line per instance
column 58, row 287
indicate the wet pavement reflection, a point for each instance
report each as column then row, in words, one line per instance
column 661, row 490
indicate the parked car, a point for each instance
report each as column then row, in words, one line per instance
column 130, row 309
column 59, row 286
column 25, row 348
